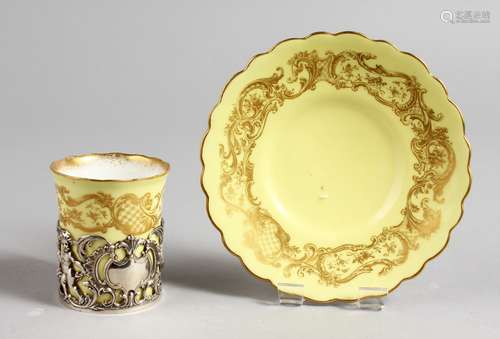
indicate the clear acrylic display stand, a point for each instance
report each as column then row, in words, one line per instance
column 289, row 299
column 375, row 303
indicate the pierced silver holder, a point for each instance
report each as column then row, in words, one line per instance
column 95, row 275
column 372, row 303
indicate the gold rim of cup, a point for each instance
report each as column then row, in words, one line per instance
column 78, row 160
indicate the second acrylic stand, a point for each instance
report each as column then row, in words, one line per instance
column 368, row 303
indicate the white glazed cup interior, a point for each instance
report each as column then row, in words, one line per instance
column 110, row 167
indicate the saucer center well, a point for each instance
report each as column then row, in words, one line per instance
column 333, row 165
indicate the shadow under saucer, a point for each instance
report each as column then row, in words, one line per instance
column 215, row 274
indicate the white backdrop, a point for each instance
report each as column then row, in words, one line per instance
column 142, row 76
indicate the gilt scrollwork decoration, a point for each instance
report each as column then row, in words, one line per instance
column 346, row 70
column 97, row 212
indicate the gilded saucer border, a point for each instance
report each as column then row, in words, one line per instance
column 398, row 51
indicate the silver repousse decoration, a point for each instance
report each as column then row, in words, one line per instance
column 97, row 275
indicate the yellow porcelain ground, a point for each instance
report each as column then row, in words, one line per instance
column 113, row 209
column 335, row 162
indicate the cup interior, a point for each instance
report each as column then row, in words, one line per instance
column 110, row 167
